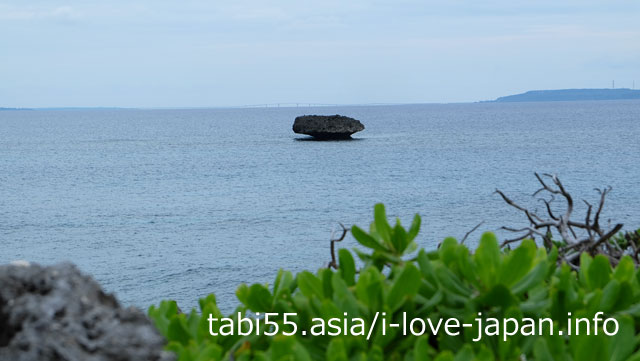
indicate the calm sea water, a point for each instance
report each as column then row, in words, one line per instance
column 177, row 204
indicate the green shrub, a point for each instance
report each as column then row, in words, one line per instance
column 451, row 282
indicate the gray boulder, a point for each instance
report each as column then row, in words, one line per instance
column 327, row 126
column 57, row 313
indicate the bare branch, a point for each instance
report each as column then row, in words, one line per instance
column 545, row 187
column 590, row 236
column 529, row 214
column 530, row 233
column 603, row 194
column 587, row 218
column 510, row 202
column 471, row 231
column 548, row 205
column 509, row 241
column 334, row 263
column 607, row 235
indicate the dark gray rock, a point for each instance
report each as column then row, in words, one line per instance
column 327, row 126
column 57, row 313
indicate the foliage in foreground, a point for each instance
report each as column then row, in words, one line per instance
column 451, row 282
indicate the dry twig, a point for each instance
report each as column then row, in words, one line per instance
column 471, row 231
column 334, row 263
column 576, row 237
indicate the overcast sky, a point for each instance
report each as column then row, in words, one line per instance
column 156, row 53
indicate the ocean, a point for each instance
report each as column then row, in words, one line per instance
column 177, row 204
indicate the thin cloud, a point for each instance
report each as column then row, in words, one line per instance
column 24, row 13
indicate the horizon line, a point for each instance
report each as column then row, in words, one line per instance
column 282, row 104
column 246, row 106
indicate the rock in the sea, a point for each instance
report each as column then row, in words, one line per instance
column 57, row 313
column 327, row 126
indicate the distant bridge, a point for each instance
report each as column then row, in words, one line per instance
column 306, row 105
column 287, row 105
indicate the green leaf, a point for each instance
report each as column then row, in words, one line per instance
column 286, row 347
column 309, row 284
column 366, row 240
column 243, row 293
column 541, row 351
column 375, row 353
column 336, row 350
column 415, row 228
column 426, row 268
column 465, row 354
column 609, row 296
column 399, row 238
column 162, row 315
column 347, row 266
column 625, row 269
column 532, row 278
column 404, row 286
column 326, row 275
column 585, row 262
column 518, row 263
column 484, row 354
column 208, row 300
column 209, row 352
column 283, row 283
column 448, row 251
column 178, row 331
column 466, row 266
column 625, row 297
column 589, row 348
column 259, row 298
column 369, row 288
column 623, row 343
column 634, row 357
column 498, row 296
column 421, row 349
column 380, row 221
column 445, row 356
column 451, row 282
column 487, row 258
column 633, row 310
column 343, row 297
column 599, row 272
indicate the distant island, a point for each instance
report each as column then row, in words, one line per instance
column 571, row 95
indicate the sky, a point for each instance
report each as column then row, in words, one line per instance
column 192, row 53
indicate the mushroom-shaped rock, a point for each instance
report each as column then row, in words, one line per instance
column 327, row 126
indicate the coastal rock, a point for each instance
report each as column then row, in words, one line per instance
column 57, row 313
column 327, row 126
